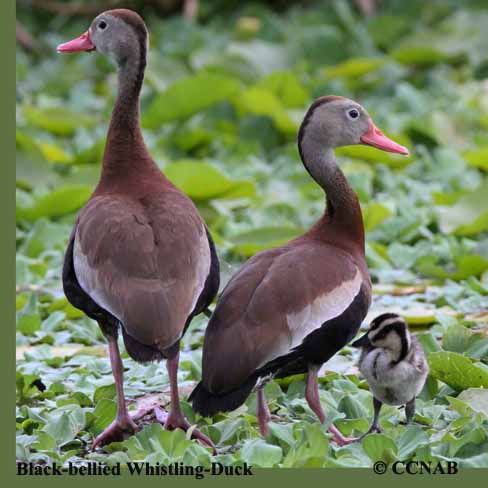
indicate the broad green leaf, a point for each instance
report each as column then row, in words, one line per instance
column 355, row 67
column 456, row 338
column 380, row 447
column 478, row 158
column 54, row 154
column 259, row 101
column 28, row 323
column 65, row 424
column 457, row 371
column 476, row 398
column 261, row 454
column 62, row 201
column 286, row 87
column 189, row 96
column 419, row 55
column 104, row 414
column 58, row 120
column 469, row 215
column 428, row 342
column 412, row 438
column 374, row 214
column 202, row 181
column 253, row 241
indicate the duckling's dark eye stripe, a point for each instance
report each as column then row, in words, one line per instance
column 382, row 318
column 397, row 326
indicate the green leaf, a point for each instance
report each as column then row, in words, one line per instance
column 45, row 235
column 476, row 398
column 259, row 101
column 419, row 55
column 189, row 96
column 412, row 438
column 457, row 371
column 58, row 120
column 469, row 215
column 374, row 214
column 202, row 181
column 286, row 87
column 28, row 323
column 106, row 391
column 153, row 439
column 478, row 158
column 104, row 413
column 45, row 442
column 456, row 338
column 65, row 424
column 355, row 67
column 282, row 432
column 62, row 201
column 253, row 241
column 380, row 447
column 429, row 343
column 54, row 154
column 260, row 454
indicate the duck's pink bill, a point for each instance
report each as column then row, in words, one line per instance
column 82, row 43
column 374, row 137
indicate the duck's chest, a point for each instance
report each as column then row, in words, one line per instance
column 393, row 384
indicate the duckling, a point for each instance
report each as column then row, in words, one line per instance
column 393, row 363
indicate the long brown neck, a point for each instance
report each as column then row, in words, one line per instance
column 125, row 152
column 342, row 219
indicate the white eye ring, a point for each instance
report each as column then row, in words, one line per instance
column 353, row 114
column 102, row 25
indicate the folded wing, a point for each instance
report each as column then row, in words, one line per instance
column 275, row 301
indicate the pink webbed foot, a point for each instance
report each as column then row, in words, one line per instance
column 118, row 430
column 339, row 438
column 172, row 421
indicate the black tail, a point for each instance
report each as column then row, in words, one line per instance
column 208, row 404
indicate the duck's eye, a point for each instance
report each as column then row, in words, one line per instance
column 353, row 114
column 102, row 25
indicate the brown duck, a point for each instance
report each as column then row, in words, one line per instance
column 140, row 258
column 289, row 309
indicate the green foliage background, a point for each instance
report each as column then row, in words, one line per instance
column 221, row 105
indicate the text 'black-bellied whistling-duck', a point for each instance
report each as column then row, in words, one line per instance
column 289, row 309
column 139, row 256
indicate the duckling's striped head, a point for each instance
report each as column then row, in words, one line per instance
column 389, row 331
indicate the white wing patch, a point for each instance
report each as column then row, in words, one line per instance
column 202, row 267
column 322, row 309
column 87, row 278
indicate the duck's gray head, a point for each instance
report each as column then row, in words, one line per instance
column 120, row 34
column 389, row 332
column 333, row 121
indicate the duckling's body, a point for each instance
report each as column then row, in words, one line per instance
column 393, row 363
column 394, row 383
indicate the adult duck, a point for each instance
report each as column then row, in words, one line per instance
column 289, row 309
column 140, row 257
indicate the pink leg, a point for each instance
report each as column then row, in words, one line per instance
column 313, row 399
column 123, row 423
column 175, row 418
column 262, row 412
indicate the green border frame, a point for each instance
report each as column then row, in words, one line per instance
column 264, row 477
